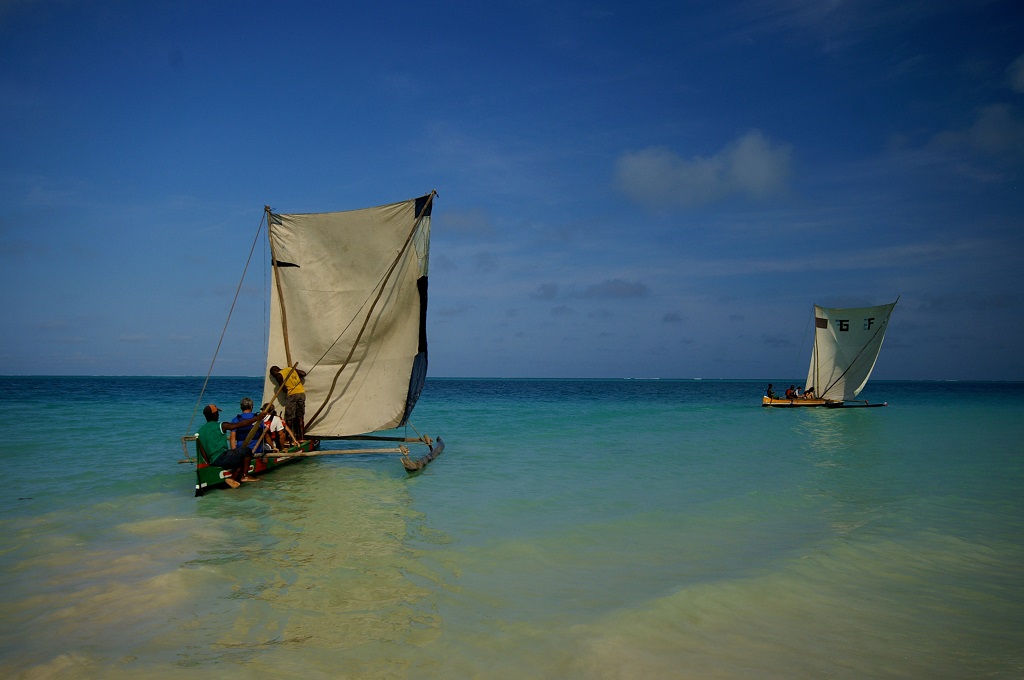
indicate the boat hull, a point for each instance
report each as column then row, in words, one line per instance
column 826, row 403
column 211, row 477
column 793, row 403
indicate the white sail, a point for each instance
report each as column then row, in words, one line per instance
column 846, row 346
column 348, row 305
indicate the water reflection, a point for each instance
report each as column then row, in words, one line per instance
column 851, row 485
column 319, row 558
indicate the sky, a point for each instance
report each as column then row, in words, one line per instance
column 625, row 189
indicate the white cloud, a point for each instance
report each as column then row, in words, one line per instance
column 752, row 165
column 836, row 24
column 906, row 256
column 1016, row 74
column 472, row 221
column 545, row 291
column 615, row 289
column 997, row 131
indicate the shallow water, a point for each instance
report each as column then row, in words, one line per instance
column 571, row 529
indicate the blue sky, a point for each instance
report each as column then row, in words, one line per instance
column 626, row 189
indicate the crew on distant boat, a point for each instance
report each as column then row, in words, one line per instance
column 808, row 393
column 212, row 446
column 770, row 393
column 791, row 392
column 295, row 398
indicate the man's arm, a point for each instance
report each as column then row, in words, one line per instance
column 240, row 424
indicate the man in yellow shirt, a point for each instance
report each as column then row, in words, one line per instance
column 295, row 398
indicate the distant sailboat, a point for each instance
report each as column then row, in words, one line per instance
column 349, row 308
column 846, row 346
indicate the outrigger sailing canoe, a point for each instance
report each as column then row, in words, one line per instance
column 349, row 307
column 846, row 346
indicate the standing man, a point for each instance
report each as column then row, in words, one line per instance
column 212, row 446
column 295, row 399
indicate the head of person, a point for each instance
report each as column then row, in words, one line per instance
column 246, row 404
column 212, row 413
column 275, row 370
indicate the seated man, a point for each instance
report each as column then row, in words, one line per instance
column 238, row 437
column 275, row 428
column 791, row 392
column 212, row 446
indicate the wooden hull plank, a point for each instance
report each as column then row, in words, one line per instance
column 211, row 477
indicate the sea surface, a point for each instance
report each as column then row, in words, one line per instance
column 582, row 529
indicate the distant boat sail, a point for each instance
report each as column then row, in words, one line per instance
column 348, row 310
column 846, row 346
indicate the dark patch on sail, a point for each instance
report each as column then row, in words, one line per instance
column 419, row 366
column 421, row 286
column 820, row 323
column 279, row 263
column 420, row 202
column 416, row 382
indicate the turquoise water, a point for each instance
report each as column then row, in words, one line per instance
column 571, row 529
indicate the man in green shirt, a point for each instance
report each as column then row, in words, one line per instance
column 212, row 447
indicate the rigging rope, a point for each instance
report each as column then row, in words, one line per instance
column 344, row 330
column 224, row 331
column 380, row 283
column 369, row 313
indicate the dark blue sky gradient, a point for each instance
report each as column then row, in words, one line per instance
column 626, row 189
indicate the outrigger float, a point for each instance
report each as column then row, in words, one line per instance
column 348, row 303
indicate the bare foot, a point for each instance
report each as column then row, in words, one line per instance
column 247, row 478
column 232, row 483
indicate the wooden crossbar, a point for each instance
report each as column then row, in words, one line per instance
column 333, row 452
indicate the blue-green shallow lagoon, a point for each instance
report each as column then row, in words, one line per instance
column 572, row 529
